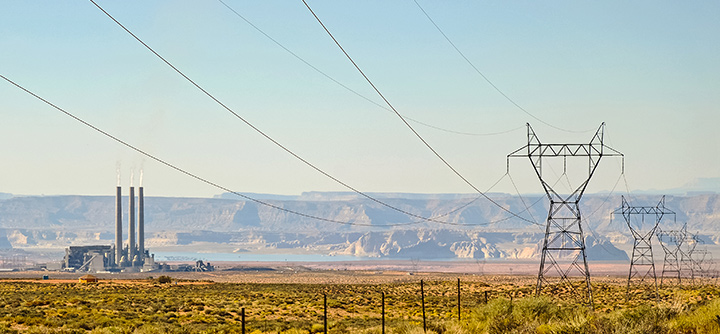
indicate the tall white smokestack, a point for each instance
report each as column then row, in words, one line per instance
column 141, row 222
column 131, row 237
column 118, row 226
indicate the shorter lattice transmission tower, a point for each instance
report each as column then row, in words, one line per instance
column 643, row 222
column 671, row 241
column 688, row 264
column 563, row 250
column 684, row 261
column 702, row 259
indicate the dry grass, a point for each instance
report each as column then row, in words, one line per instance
column 290, row 302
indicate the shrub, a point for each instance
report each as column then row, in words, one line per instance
column 317, row 328
column 704, row 319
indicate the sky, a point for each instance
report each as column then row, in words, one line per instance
column 648, row 69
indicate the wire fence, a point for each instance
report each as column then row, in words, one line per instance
column 418, row 303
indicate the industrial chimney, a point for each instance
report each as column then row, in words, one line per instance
column 131, row 237
column 141, row 224
column 118, row 226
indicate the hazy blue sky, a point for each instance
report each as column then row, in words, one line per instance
column 649, row 69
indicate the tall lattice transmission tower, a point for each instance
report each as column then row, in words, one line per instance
column 563, row 250
column 643, row 222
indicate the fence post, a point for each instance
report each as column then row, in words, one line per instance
column 242, row 318
column 422, row 298
column 485, row 297
column 325, row 313
column 383, row 312
column 458, row 299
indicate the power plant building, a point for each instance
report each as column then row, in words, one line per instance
column 131, row 257
column 89, row 258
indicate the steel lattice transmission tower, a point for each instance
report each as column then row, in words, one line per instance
column 671, row 241
column 642, row 263
column 688, row 264
column 700, row 258
column 563, row 230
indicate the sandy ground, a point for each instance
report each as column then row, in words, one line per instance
column 350, row 272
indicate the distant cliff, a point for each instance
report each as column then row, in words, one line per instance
column 475, row 227
column 702, row 212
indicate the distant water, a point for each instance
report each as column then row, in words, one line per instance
column 249, row 257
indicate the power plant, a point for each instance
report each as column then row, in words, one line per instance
column 131, row 257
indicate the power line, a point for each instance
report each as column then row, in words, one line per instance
column 622, row 174
column 218, row 186
column 352, row 90
column 163, row 162
column 527, row 208
column 627, row 188
column 488, row 79
column 471, row 202
column 405, row 121
column 605, row 202
column 263, row 133
column 522, row 200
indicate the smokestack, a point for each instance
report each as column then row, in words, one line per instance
column 131, row 237
column 118, row 226
column 141, row 222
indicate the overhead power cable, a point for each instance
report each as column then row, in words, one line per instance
column 471, row 202
column 352, row 90
column 622, row 168
column 495, row 87
column 408, row 124
column 256, row 129
column 495, row 221
column 228, row 190
column 170, row 165
column 605, row 202
column 527, row 208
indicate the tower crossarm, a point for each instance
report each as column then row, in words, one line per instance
column 564, row 150
column 536, row 149
column 537, row 152
column 670, row 240
column 659, row 211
